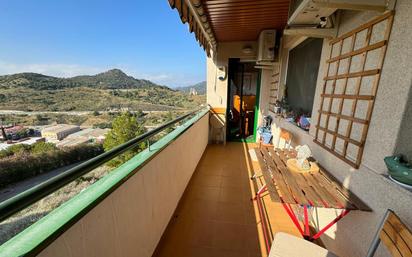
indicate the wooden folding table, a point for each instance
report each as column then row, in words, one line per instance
column 303, row 190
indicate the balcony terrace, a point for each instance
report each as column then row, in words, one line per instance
column 136, row 211
column 318, row 81
column 216, row 216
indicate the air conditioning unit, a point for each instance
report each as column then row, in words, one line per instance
column 266, row 47
column 315, row 12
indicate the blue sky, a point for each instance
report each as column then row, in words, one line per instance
column 144, row 38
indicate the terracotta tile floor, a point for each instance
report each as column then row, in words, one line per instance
column 215, row 216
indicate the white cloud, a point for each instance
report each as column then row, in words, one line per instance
column 70, row 70
column 168, row 79
column 58, row 70
column 172, row 80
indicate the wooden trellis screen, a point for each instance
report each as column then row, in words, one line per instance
column 274, row 90
column 349, row 89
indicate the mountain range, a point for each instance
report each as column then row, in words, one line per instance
column 107, row 90
column 199, row 87
column 111, row 79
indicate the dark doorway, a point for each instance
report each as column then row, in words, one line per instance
column 243, row 100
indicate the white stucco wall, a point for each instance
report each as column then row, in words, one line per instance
column 390, row 132
column 217, row 89
column 264, row 100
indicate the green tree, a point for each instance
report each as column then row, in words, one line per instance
column 19, row 149
column 169, row 117
column 42, row 148
column 124, row 128
column 22, row 133
column 140, row 113
column 5, row 153
column 39, row 117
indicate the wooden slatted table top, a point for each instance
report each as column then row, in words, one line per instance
column 318, row 189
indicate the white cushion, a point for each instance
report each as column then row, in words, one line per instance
column 285, row 245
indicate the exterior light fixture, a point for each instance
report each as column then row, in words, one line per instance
column 222, row 73
column 247, row 49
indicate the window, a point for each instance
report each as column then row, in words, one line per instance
column 301, row 78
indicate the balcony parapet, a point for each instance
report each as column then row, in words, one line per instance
column 129, row 190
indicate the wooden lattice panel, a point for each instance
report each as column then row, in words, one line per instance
column 349, row 89
column 274, row 90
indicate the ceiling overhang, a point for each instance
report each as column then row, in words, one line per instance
column 215, row 21
column 243, row 20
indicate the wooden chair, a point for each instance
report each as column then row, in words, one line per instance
column 217, row 126
column 395, row 235
column 287, row 137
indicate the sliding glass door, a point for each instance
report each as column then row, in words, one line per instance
column 242, row 106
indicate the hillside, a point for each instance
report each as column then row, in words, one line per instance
column 108, row 90
column 112, row 79
column 199, row 87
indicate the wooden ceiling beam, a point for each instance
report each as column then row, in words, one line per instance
column 232, row 30
column 234, row 39
column 206, row 2
column 248, row 17
column 249, row 12
column 245, row 11
column 245, row 21
column 252, row 16
column 238, row 20
column 248, row 8
column 255, row 26
column 248, row 34
column 240, row 3
column 238, row 25
column 245, row 7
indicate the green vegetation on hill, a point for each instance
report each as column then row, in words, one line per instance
column 108, row 90
column 112, row 79
column 23, row 161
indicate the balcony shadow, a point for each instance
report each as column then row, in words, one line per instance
column 215, row 216
column 14, row 225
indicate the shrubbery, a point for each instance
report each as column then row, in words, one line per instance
column 125, row 128
column 19, row 149
column 25, row 162
column 103, row 125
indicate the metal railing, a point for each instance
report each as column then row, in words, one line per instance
column 34, row 194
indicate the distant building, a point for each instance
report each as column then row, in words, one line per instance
column 13, row 129
column 28, row 141
column 60, row 131
column 69, row 142
column 88, row 135
column 193, row 91
column 119, row 109
column 94, row 134
column 15, row 132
